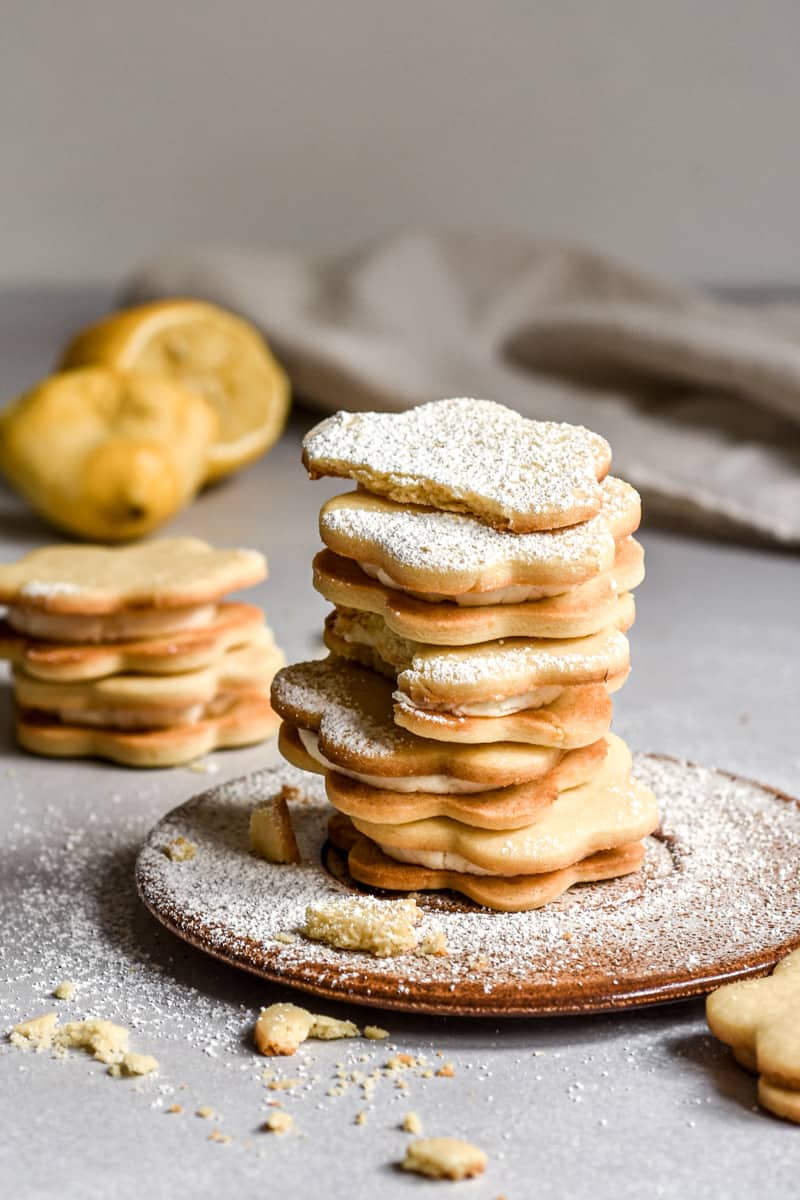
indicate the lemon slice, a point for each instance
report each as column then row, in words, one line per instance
column 207, row 350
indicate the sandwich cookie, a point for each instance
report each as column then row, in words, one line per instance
column 338, row 717
column 501, row 808
column 96, row 593
column 584, row 609
column 520, row 893
column 152, row 702
column 577, row 717
column 439, row 556
column 466, row 455
column 232, row 625
column 610, row 811
column 243, row 720
column 486, row 680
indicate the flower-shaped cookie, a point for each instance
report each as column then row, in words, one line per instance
column 760, row 1020
column 469, row 456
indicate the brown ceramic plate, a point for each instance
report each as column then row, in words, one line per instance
column 717, row 899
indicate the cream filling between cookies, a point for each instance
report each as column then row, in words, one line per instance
column 108, row 627
column 436, row 860
column 132, row 718
column 501, row 707
column 161, row 717
column 440, row 784
column 516, row 593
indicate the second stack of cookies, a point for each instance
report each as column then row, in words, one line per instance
column 133, row 654
column 463, row 717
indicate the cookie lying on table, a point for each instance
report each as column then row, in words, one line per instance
column 467, row 455
column 585, row 609
column 760, row 1020
column 446, row 556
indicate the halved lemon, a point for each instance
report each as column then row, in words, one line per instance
column 208, row 350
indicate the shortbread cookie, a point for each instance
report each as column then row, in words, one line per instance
column 577, row 717
column 150, row 702
column 470, row 456
column 440, row 555
column 760, row 1020
column 102, row 628
column 342, row 716
column 246, row 720
column 585, row 609
column 232, row 625
column 370, row 866
column 608, row 811
column 489, row 679
column 87, row 580
column 501, row 808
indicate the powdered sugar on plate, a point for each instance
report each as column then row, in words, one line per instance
column 719, row 895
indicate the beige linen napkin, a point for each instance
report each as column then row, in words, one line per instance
column 700, row 399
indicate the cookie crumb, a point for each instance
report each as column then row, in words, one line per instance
column 278, row 1122
column 411, row 1123
column 134, row 1064
column 375, row 1033
column 446, row 1071
column 329, row 1028
column 175, row 1108
column 222, row 1139
column 283, row 1085
column 444, row 1158
column 205, row 1112
column 180, row 850
column 360, row 1118
column 288, row 939
column 64, row 990
column 434, row 945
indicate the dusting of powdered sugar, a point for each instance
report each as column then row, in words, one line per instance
column 475, row 455
column 720, row 885
column 460, row 552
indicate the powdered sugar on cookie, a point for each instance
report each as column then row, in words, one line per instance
column 470, row 456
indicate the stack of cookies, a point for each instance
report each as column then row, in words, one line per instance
column 132, row 654
column 481, row 576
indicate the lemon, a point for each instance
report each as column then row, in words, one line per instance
column 208, row 350
column 108, row 455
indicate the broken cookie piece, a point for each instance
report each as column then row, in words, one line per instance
column 444, row 1158
column 180, row 850
column 271, row 834
column 380, row 927
column 105, row 1041
column 281, row 1028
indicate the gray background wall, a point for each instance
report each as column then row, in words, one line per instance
column 663, row 132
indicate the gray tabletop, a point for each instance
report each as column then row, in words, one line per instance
column 617, row 1106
